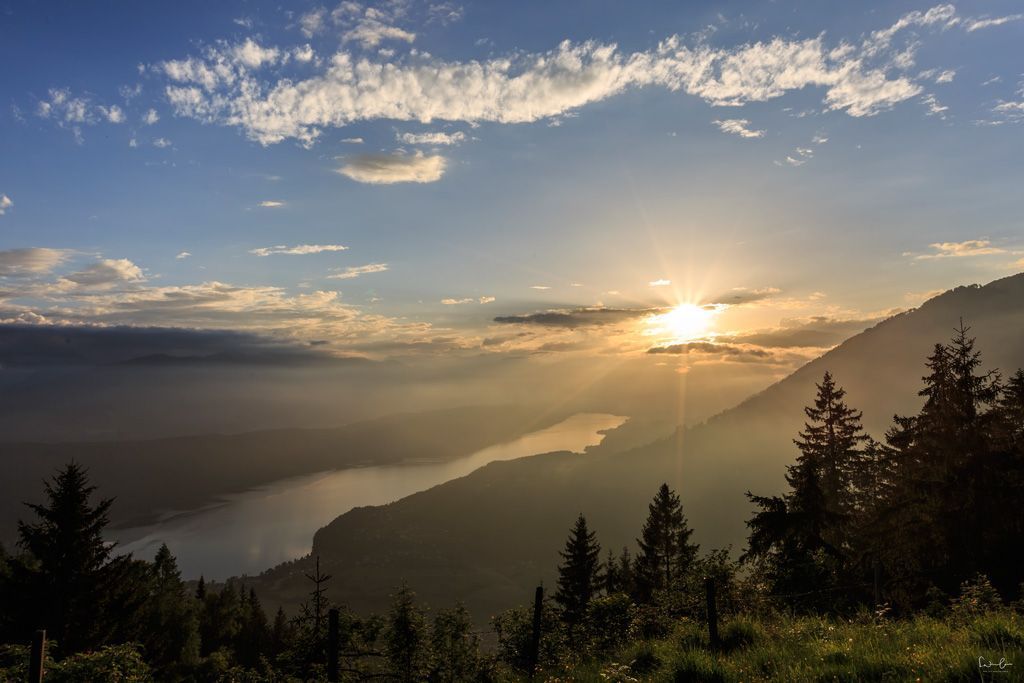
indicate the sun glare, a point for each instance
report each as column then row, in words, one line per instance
column 683, row 323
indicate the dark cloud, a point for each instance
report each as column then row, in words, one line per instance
column 710, row 348
column 61, row 345
column 738, row 297
column 577, row 317
column 819, row 332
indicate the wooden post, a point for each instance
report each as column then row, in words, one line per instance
column 709, row 589
column 538, row 606
column 35, row 664
column 332, row 645
column 878, row 590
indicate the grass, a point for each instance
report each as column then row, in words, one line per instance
column 823, row 649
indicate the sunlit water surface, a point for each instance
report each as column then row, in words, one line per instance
column 249, row 532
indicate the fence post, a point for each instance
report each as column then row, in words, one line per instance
column 538, row 606
column 35, row 665
column 709, row 589
column 332, row 645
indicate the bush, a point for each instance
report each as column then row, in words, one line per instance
column 977, row 597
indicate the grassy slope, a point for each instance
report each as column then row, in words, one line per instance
column 821, row 649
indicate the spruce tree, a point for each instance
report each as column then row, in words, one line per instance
column 578, row 574
column 666, row 553
column 805, row 537
column 64, row 583
column 405, row 640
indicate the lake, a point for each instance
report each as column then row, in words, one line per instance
column 248, row 532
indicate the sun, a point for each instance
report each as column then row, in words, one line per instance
column 683, row 323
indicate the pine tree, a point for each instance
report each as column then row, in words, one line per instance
column 171, row 635
column 806, row 536
column 578, row 574
column 666, row 554
column 831, row 453
column 65, row 583
column 405, row 641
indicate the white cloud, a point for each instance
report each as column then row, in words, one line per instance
column 162, row 143
column 660, row 283
column 959, row 250
column 219, row 88
column 384, row 169
column 371, row 33
column 271, row 204
column 183, row 255
column 298, row 249
column 113, row 113
column 539, row 287
column 356, row 271
column 370, row 26
column 819, row 139
column 252, row 55
column 312, row 22
column 738, row 127
column 5, row 203
column 976, row 24
column 437, row 138
column 105, row 273
column 935, row 108
column 946, row 76
column 352, row 141
column 30, row 261
column 303, row 53
column 150, row 117
column 468, row 300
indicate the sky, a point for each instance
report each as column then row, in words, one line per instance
column 708, row 182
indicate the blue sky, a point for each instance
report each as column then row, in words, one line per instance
column 202, row 164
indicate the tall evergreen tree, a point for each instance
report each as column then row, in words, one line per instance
column 65, row 581
column 406, row 643
column 579, row 572
column 171, row 629
column 666, row 553
column 805, row 537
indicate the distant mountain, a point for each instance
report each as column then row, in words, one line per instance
column 181, row 473
column 488, row 538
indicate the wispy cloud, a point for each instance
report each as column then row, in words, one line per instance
column 437, row 138
column 271, row 204
column 977, row 24
column 5, row 203
column 386, row 169
column 222, row 85
column 183, row 255
column 297, row 250
column 468, row 300
column 958, row 250
column 738, row 127
column 30, row 261
column 660, row 283
column 356, row 271
column 104, row 273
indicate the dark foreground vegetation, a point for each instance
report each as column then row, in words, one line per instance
column 885, row 560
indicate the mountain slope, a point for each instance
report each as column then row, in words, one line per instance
column 489, row 537
column 180, row 473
